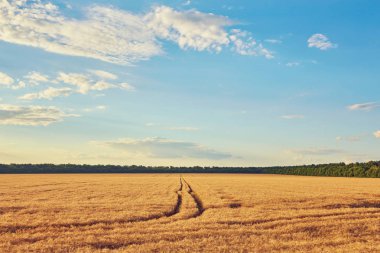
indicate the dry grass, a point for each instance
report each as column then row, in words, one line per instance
column 213, row 213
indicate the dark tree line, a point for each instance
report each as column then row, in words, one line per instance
column 368, row 169
column 83, row 168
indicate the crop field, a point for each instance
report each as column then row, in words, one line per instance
column 188, row 213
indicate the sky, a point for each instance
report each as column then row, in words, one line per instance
column 189, row 82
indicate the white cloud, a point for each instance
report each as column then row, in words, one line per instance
column 6, row 79
column 364, row 107
column 349, row 138
column 85, row 83
column 190, row 29
column 19, row 85
column 320, row 41
column 35, row 78
column 165, row 148
column 104, row 74
column 98, row 107
column 245, row 44
column 81, row 81
column 30, row 115
column 118, row 36
column 49, row 93
column 202, row 31
column 273, row 41
column 126, row 86
column 102, row 85
column 292, row 64
column 292, row 116
column 377, row 134
column 105, row 33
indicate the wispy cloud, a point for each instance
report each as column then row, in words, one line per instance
column 113, row 35
column 81, row 81
column 5, row 79
column 151, row 124
column 292, row 64
column 49, row 94
column 35, row 78
column 364, row 107
column 84, row 83
column 18, row 85
column 245, row 44
column 103, row 74
column 165, row 148
column 377, row 134
column 30, row 115
column 321, row 42
column 126, row 86
column 190, row 29
column 96, row 108
column 106, row 34
column 102, row 85
column 273, row 41
column 354, row 138
column 202, row 31
column 292, row 116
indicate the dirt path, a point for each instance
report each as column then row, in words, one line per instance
column 184, row 188
column 196, row 198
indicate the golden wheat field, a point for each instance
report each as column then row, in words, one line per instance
column 188, row 213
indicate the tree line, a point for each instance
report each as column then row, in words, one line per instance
column 368, row 169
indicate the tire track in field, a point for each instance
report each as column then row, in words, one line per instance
column 174, row 211
column 196, row 198
column 178, row 205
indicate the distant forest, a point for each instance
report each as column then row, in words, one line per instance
column 368, row 169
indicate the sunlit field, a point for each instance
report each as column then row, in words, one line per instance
column 188, row 213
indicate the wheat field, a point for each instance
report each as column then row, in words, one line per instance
column 188, row 213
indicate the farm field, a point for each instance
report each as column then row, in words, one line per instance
column 188, row 213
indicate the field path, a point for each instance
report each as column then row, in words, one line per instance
column 196, row 198
column 192, row 209
column 178, row 204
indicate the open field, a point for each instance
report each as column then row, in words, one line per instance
column 169, row 213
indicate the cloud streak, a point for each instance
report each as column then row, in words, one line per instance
column 103, row 74
column 30, row 115
column 49, row 94
column 363, row 107
column 353, row 138
column 292, row 116
column 164, row 148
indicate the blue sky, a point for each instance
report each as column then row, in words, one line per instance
column 230, row 83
